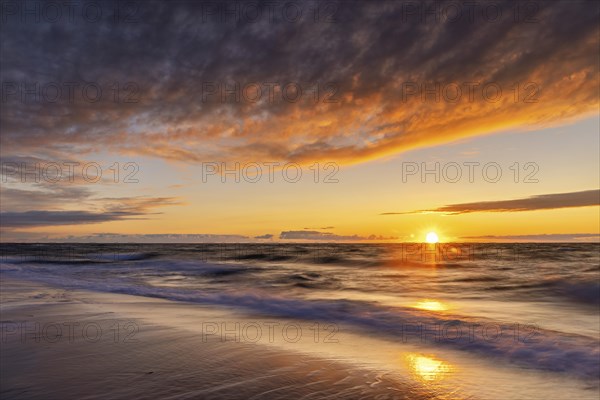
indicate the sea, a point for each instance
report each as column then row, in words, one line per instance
column 533, row 306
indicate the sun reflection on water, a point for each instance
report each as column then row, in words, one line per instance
column 427, row 368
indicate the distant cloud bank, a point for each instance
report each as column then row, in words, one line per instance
column 540, row 202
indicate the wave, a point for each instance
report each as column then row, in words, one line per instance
column 586, row 292
column 532, row 347
column 73, row 259
column 124, row 257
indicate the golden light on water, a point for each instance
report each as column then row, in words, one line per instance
column 432, row 238
column 431, row 305
column 427, row 368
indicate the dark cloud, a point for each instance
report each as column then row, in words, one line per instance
column 316, row 236
column 114, row 209
column 266, row 236
column 158, row 238
column 51, row 198
column 328, row 236
column 171, row 50
column 554, row 237
column 533, row 203
column 52, row 218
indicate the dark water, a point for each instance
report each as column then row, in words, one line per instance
column 538, row 304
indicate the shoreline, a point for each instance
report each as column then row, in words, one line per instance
column 66, row 343
column 78, row 344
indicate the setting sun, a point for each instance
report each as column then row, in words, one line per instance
column 432, row 237
column 431, row 305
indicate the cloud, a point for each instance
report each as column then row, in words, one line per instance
column 114, row 209
column 540, row 202
column 52, row 218
column 153, row 238
column 109, row 237
column 553, row 237
column 266, row 236
column 137, row 204
column 328, row 236
column 316, row 235
column 366, row 57
column 49, row 198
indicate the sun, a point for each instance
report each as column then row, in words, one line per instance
column 430, row 305
column 432, row 237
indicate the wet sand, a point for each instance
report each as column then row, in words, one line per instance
column 76, row 344
column 85, row 345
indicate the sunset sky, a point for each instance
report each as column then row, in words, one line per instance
column 379, row 98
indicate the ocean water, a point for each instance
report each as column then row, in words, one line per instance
column 529, row 306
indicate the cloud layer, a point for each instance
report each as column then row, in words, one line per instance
column 366, row 58
column 553, row 237
column 108, row 209
column 533, row 203
column 179, row 81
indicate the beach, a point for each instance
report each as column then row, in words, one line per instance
column 298, row 321
column 77, row 351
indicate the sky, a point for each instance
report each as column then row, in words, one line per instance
column 373, row 121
